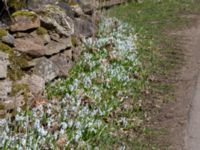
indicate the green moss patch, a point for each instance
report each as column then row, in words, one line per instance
column 2, row 107
column 72, row 3
column 17, row 62
column 41, row 31
column 74, row 41
column 30, row 14
column 3, row 32
column 16, row 67
column 6, row 49
column 19, row 87
column 16, row 4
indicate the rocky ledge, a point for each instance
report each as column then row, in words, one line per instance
column 41, row 43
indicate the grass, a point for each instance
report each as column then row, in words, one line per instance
column 151, row 19
column 159, row 52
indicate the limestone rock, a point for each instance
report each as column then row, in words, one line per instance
column 4, row 62
column 31, row 46
column 35, row 83
column 68, row 53
column 76, row 52
column 54, row 36
column 54, row 17
column 88, row 6
column 9, row 104
column 21, row 35
column 55, row 47
column 77, row 10
column 38, row 4
column 84, row 27
column 68, row 10
column 24, row 20
column 5, row 88
column 45, row 38
column 46, row 69
column 63, row 63
column 33, row 62
column 8, row 39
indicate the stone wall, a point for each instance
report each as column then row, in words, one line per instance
column 37, row 46
column 104, row 3
column 109, row 3
column 39, row 42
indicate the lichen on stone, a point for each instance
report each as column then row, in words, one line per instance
column 17, row 62
column 16, row 4
column 6, row 49
column 41, row 31
column 30, row 14
column 3, row 32
column 53, row 8
column 16, row 88
column 2, row 106
column 74, row 41
column 72, row 3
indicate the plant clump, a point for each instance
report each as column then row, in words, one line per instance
column 6, row 49
column 74, row 41
column 16, row 4
column 41, row 31
column 30, row 14
column 97, row 87
column 3, row 32
column 17, row 87
column 17, row 62
column 72, row 3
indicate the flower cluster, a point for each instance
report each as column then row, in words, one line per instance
column 97, row 85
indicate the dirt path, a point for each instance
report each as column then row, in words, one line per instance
column 182, row 116
column 186, row 122
column 193, row 129
column 192, row 139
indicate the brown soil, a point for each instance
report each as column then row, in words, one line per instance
column 182, row 116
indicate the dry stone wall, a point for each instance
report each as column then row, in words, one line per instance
column 109, row 3
column 40, row 44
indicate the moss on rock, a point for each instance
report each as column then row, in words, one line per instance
column 16, row 88
column 2, row 107
column 3, row 32
column 72, row 3
column 16, row 4
column 22, row 89
column 30, row 14
column 41, row 31
column 17, row 62
column 74, row 41
column 6, row 49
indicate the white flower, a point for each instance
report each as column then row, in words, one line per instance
column 64, row 125
column 19, row 118
column 70, row 123
column 78, row 135
column 78, row 124
column 37, row 124
column 42, row 131
column 23, row 140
